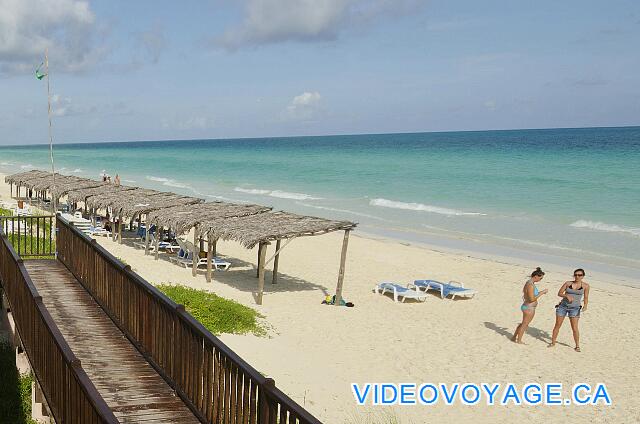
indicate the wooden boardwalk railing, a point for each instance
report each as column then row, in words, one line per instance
column 71, row 396
column 218, row 385
column 30, row 236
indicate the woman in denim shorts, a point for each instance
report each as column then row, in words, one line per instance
column 574, row 294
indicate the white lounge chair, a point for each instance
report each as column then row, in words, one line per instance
column 99, row 231
column 453, row 288
column 218, row 263
column 185, row 258
column 163, row 245
column 400, row 291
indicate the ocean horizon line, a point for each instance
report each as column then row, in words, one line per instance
column 169, row 140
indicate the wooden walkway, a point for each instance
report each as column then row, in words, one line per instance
column 130, row 386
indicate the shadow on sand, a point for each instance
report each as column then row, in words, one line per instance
column 534, row 332
column 242, row 275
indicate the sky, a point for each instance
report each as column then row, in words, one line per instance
column 161, row 70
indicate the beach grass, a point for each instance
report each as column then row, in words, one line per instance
column 15, row 390
column 217, row 314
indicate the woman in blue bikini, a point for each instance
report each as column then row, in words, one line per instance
column 575, row 298
column 530, row 296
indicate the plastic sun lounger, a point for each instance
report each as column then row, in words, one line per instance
column 185, row 258
column 163, row 245
column 98, row 231
column 453, row 288
column 187, row 261
column 400, row 291
column 218, row 263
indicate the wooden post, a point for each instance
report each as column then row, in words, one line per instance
column 158, row 235
column 113, row 229
column 147, row 237
column 215, row 247
column 93, row 217
column 262, row 251
column 258, row 265
column 209, row 258
column 275, row 264
column 343, row 258
column 120, row 229
column 196, row 255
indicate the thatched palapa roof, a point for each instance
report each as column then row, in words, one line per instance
column 182, row 218
column 21, row 177
column 138, row 200
column 269, row 226
column 81, row 194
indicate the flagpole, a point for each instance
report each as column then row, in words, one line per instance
column 53, row 171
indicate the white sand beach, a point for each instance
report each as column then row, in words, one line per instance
column 314, row 352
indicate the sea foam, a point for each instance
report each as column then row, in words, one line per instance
column 276, row 193
column 421, row 207
column 601, row 226
column 326, row 208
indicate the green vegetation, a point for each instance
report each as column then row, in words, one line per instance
column 28, row 245
column 34, row 237
column 15, row 390
column 217, row 314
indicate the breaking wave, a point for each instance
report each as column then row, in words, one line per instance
column 601, row 226
column 421, row 207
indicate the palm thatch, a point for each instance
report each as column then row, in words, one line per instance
column 64, row 188
column 24, row 176
column 135, row 201
column 183, row 218
column 269, row 226
column 82, row 194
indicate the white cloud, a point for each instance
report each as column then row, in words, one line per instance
column 304, row 107
column 66, row 27
column 273, row 21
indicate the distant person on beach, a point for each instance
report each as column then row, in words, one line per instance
column 530, row 296
column 117, row 180
column 575, row 298
column 109, row 179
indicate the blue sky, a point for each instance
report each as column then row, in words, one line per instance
column 145, row 70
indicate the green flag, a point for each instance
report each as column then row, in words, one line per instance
column 39, row 74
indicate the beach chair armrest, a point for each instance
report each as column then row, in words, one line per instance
column 456, row 283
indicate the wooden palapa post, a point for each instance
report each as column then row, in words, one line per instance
column 262, row 251
column 147, row 237
column 120, row 229
column 343, row 258
column 275, row 264
column 196, row 255
column 158, row 235
column 209, row 258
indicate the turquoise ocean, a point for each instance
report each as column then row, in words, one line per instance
column 566, row 196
